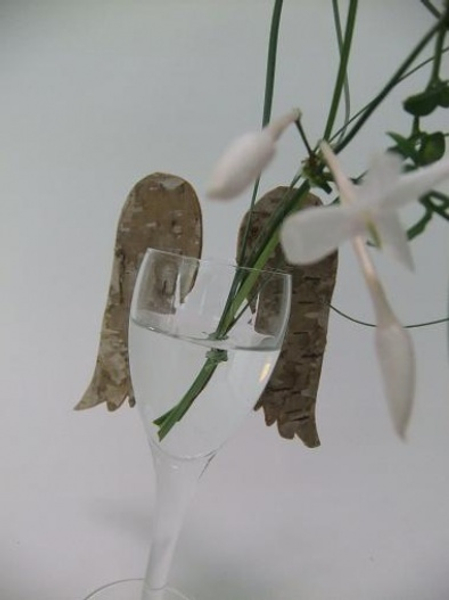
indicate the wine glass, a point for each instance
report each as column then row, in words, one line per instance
column 204, row 337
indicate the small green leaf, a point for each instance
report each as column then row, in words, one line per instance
column 405, row 146
column 432, row 148
column 419, row 226
column 424, row 103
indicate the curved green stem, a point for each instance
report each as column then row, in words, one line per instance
column 271, row 61
column 389, row 86
column 407, row 74
column 367, row 324
column 343, row 67
column 346, row 91
column 435, row 75
column 242, row 285
column 267, row 105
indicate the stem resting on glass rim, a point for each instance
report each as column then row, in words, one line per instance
column 243, row 282
column 240, row 290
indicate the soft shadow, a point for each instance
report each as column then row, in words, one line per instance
column 122, row 516
column 208, row 575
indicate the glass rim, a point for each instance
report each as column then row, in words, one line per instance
column 219, row 261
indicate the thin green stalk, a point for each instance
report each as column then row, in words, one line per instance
column 304, row 139
column 439, row 44
column 402, row 78
column 267, row 244
column 440, row 196
column 346, row 92
column 431, row 8
column 244, row 282
column 389, row 86
column 170, row 418
column 267, row 106
column 366, row 324
column 271, row 61
column 248, row 283
column 442, row 209
column 422, row 64
column 285, row 208
column 343, row 66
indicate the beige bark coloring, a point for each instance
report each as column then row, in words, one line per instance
column 162, row 211
column 290, row 396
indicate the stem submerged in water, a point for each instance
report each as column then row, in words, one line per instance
column 244, row 282
column 170, row 418
column 242, row 286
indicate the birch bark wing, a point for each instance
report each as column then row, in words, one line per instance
column 162, row 211
column 289, row 399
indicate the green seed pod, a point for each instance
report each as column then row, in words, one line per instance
column 422, row 104
column 432, row 149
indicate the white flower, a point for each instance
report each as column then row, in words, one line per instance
column 393, row 346
column 397, row 362
column 313, row 233
column 246, row 158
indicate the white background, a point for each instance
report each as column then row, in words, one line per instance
column 94, row 96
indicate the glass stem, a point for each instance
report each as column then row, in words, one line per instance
column 176, row 482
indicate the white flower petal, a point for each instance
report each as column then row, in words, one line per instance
column 381, row 177
column 241, row 164
column 397, row 362
column 393, row 345
column 412, row 186
column 247, row 157
column 393, row 237
column 347, row 189
column 278, row 126
column 311, row 234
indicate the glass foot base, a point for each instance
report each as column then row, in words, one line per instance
column 131, row 589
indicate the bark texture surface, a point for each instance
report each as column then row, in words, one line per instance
column 162, row 211
column 289, row 400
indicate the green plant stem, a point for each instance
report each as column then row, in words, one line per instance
column 304, row 139
column 343, row 66
column 270, row 78
column 346, row 91
column 239, row 288
column 420, row 225
column 431, row 8
column 422, row 64
column 271, row 61
column 244, row 281
column 247, row 285
column 407, row 74
column 242, row 285
column 366, row 324
column 170, row 418
column 439, row 44
column 286, row 206
column 372, row 106
column 259, row 256
column 441, row 210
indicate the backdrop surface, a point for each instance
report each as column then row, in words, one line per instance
column 96, row 95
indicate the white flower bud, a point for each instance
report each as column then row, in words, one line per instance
column 397, row 363
column 246, row 158
column 241, row 164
